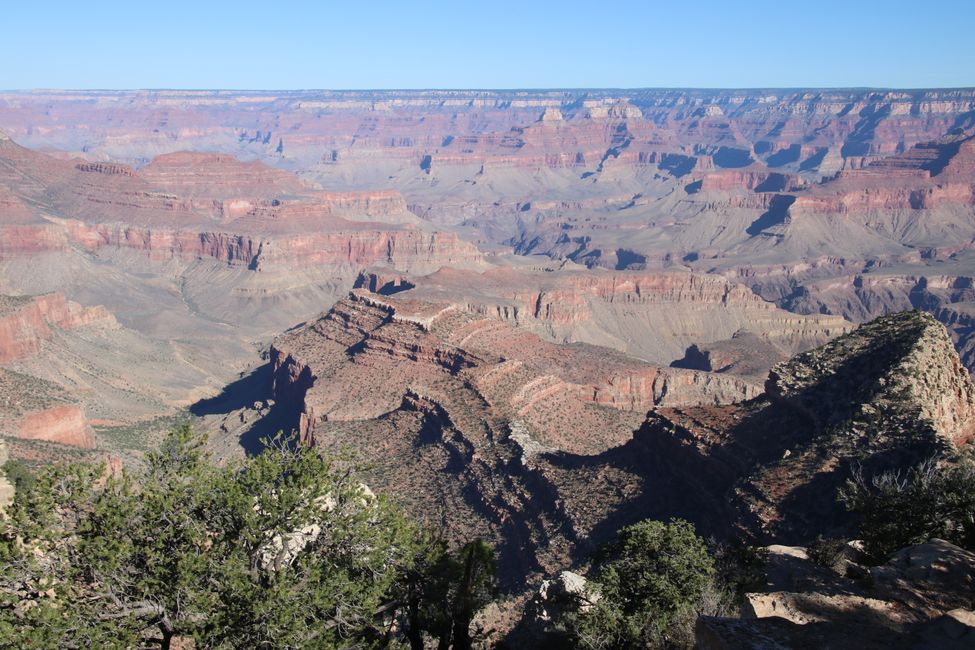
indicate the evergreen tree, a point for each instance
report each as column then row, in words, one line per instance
column 283, row 550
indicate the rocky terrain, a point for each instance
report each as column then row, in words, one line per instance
column 654, row 315
column 537, row 316
column 921, row 598
column 889, row 394
column 821, row 201
column 486, row 429
column 34, row 409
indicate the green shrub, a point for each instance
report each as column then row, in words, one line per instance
column 898, row 509
column 19, row 474
column 651, row 586
column 282, row 550
column 827, row 551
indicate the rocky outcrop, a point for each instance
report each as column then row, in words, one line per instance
column 918, row 388
column 886, row 396
column 921, row 598
column 35, row 409
column 26, row 322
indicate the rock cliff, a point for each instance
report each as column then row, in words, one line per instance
column 25, row 322
column 35, row 409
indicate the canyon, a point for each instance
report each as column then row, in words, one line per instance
column 532, row 316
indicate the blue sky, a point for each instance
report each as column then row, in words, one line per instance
column 502, row 44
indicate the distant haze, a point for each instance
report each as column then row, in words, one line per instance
column 502, row 44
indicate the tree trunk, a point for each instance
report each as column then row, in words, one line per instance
column 414, row 633
column 167, row 633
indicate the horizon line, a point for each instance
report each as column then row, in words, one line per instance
column 499, row 89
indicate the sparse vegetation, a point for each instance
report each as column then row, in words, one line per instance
column 897, row 509
column 283, row 550
column 826, row 551
column 141, row 435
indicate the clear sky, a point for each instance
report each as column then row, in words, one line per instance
column 289, row 44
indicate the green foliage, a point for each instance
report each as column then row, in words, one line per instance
column 929, row 500
column 740, row 569
column 827, row 551
column 442, row 592
column 650, row 586
column 284, row 550
column 18, row 473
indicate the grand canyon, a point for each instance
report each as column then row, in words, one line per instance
column 537, row 317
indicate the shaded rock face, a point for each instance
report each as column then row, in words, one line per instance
column 920, row 599
column 887, row 395
column 903, row 371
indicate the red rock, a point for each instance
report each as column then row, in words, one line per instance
column 26, row 322
column 65, row 425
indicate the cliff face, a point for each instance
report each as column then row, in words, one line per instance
column 35, row 409
column 25, row 322
column 405, row 249
column 66, row 425
column 889, row 394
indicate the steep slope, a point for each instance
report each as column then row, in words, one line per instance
column 887, row 395
column 487, row 430
column 34, row 409
column 69, row 368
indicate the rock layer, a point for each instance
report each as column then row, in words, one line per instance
column 26, row 322
column 35, row 409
